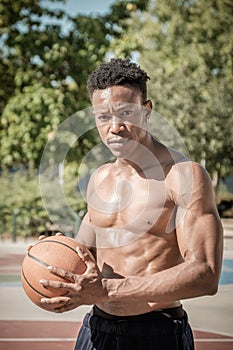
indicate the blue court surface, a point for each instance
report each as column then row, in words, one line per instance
column 227, row 272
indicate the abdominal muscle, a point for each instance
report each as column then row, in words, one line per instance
column 145, row 256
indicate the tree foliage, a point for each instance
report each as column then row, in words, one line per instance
column 186, row 47
column 45, row 69
column 22, row 210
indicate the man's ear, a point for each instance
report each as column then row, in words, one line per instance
column 148, row 105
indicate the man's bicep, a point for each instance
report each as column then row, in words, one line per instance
column 200, row 239
column 86, row 233
column 199, row 229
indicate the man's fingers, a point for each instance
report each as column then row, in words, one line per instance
column 58, row 300
column 59, row 285
column 42, row 237
column 65, row 308
column 69, row 276
column 59, row 234
column 84, row 254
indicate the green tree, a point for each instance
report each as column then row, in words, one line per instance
column 27, row 120
column 186, row 47
column 22, row 211
column 46, row 70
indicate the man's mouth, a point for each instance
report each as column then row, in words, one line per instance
column 117, row 143
column 120, row 141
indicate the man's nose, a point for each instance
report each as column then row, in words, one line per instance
column 117, row 125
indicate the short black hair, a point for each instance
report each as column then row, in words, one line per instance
column 118, row 72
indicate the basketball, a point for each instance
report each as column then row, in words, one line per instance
column 56, row 251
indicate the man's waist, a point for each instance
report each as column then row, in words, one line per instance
column 173, row 312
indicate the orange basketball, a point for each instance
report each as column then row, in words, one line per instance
column 56, row 251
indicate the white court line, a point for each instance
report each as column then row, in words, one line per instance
column 36, row 339
column 199, row 340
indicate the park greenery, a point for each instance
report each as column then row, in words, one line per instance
column 46, row 55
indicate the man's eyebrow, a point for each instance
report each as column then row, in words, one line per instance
column 115, row 106
column 101, row 111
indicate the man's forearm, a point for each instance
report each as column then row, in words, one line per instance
column 179, row 282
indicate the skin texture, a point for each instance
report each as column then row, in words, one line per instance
column 151, row 224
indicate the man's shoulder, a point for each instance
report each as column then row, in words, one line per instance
column 186, row 176
column 102, row 172
column 186, row 167
column 174, row 160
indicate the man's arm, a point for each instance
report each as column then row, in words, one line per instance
column 86, row 235
column 199, row 236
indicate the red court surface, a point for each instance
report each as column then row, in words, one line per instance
column 41, row 335
column 24, row 334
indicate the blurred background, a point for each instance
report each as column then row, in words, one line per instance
column 48, row 49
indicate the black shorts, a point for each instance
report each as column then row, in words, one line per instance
column 155, row 330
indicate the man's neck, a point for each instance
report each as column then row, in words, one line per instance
column 145, row 158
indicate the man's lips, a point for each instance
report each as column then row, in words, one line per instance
column 117, row 141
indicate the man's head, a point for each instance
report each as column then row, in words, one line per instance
column 118, row 95
column 118, row 72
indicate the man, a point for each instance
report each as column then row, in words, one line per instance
column 151, row 224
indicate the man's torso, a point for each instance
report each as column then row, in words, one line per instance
column 134, row 219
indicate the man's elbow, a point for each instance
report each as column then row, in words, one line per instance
column 207, row 279
column 213, row 289
column 208, row 289
column 211, row 282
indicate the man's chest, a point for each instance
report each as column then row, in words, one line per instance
column 139, row 205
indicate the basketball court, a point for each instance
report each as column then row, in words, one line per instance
column 40, row 335
column 24, row 326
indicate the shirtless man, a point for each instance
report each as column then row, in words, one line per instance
column 151, row 224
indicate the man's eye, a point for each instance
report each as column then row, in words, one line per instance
column 104, row 118
column 126, row 112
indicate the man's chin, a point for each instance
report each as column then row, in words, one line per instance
column 121, row 154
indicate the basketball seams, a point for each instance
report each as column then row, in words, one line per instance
column 33, row 288
column 42, row 262
column 37, row 260
column 62, row 243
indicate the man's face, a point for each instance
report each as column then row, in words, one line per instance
column 120, row 118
